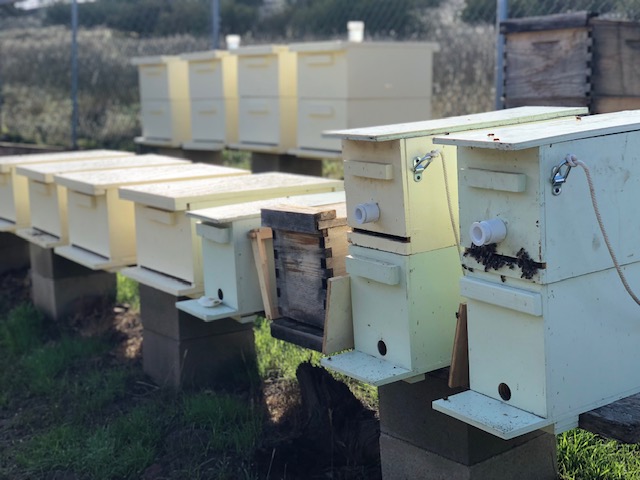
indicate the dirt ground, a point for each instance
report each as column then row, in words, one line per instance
column 321, row 432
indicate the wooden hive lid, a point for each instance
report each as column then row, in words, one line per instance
column 242, row 211
column 520, row 137
column 341, row 45
column 255, row 50
column 455, row 124
column 98, row 182
column 203, row 56
column 155, row 60
column 178, row 196
column 304, row 218
column 547, row 22
column 44, row 172
column 8, row 163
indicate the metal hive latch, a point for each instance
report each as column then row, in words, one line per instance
column 559, row 176
column 420, row 164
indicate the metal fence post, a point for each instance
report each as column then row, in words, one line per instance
column 215, row 24
column 74, row 74
column 502, row 9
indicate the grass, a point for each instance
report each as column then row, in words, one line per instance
column 67, row 408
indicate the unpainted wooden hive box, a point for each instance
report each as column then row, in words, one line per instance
column 309, row 248
column 213, row 94
column 552, row 331
column 267, row 96
column 169, row 250
column 572, row 59
column 164, row 100
column 48, row 201
column 232, row 287
column 101, row 225
column 14, row 192
column 342, row 85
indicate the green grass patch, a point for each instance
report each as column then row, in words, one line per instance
column 23, row 330
column 121, row 449
column 44, row 366
column 277, row 358
column 585, row 456
column 127, row 292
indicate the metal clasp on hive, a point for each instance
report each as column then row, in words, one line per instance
column 420, row 164
column 559, row 176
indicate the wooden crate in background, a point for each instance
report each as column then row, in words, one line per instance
column 574, row 59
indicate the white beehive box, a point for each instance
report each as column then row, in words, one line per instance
column 231, row 285
column 14, row 193
column 48, row 201
column 164, row 100
column 101, row 225
column 413, row 209
column 266, row 98
column 213, row 92
column 552, row 332
column 403, row 314
column 342, row 85
column 170, row 252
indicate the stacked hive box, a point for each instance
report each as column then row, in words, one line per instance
column 341, row 85
column 213, row 92
column 552, row 332
column 101, row 225
column 164, row 100
column 404, row 262
column 48, row 201
column 266, row 99
column 572, row 59
column 231, row 286
column 14, row 193
column 170, row 254
column 309, row 248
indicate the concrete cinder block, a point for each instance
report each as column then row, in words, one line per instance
column 226, row 359
column 270, row 162
column 46, row 263
column 532, row 460
column 14, row 253
column 406, row 414
column 61, row 298
column 159, row 314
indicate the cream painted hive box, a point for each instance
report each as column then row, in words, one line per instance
column 169, row 248
column 552, row 331
column 213, row 93
column 396, row 195
column 14, row 192
column 101, row 225
column 48, row 201
column 404, row 314
column 231, row 285
column 405, row 265
column 164, row 100
column 267, row 95
column 348, row 84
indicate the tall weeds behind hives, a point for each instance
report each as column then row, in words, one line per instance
column 35, row 73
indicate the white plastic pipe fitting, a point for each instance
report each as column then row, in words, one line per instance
column 233, row 41
column 487, row 232
column 356, row 31
column 366, row 213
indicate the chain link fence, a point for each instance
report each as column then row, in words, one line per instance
column 35, row 51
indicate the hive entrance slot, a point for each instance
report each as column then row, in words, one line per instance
column 382, row 348
column 504, row 391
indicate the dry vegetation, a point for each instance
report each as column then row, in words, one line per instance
column 35, row 66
